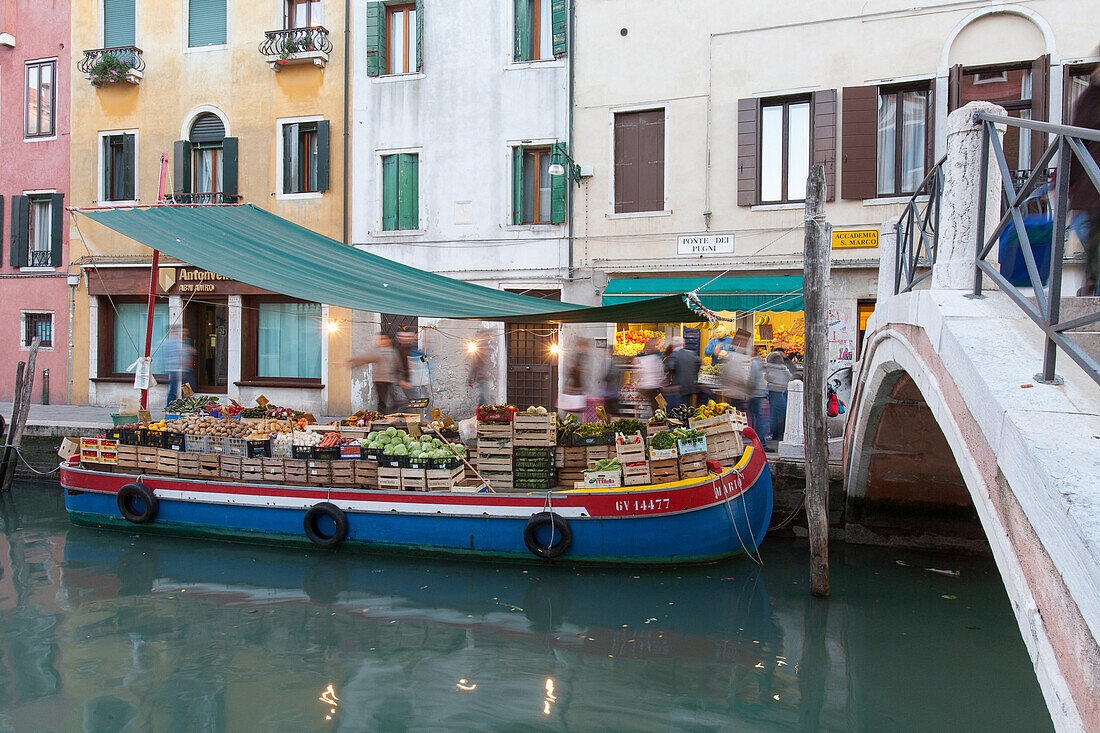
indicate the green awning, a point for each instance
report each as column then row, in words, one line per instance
column 774, row 293
column 252, row 246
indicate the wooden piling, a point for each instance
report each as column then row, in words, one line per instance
column 19, row 411
column 815, row 268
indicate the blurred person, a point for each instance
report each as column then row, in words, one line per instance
column 179, row 361
column 758, row 393
column 720, row 346
column 777, row 375
column 385, row 371
column 683, row 370
column 1084, row 198
column 414, row 362
column 650, row 371
column 573, row 396
column 481, row 368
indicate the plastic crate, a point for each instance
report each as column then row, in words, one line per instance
column 301, row 452
column 495, row 416
column 196, row 443
column 281, row 449
column 234, row 447
column 122, row 419
column 257, row 447
column 328, row 453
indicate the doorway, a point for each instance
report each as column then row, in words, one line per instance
column 532, row 366
column 208, row 328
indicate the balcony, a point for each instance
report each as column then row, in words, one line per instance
column 196, row 199
column 296, row 46
column 103, row 66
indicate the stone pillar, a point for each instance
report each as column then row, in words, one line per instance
column 887, row 259
column 792, row 445
column 954, row 268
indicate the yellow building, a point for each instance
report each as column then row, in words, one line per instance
column 246, row 100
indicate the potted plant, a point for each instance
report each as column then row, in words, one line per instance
column 109, row 69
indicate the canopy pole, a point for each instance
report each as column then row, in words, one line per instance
column 153, row 270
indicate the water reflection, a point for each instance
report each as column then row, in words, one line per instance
column 107, row 631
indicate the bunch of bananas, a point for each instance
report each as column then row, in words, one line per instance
column 713, row 409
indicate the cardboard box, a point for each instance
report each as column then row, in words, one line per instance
column 69, row 447
column 662, row 454
column 602, row 479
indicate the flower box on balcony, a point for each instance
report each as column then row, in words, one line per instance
column 296, row 46
column 104, row 66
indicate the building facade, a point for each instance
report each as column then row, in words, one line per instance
column 700, row 162
column 34, row 184
column 245, row 101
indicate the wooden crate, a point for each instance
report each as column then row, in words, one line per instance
column 414, row 479
column 663, row 471
column 319, row 471
column 693, row 465
column 731, row 421
column 167, row 462
column 631, row 452
column 497, row 479
column 343, row 473
column 209, row 465
column 230, row 467
column 535, row 430
column 651, row 430
column 147, row 459
column 295, row 471
column 495, row 431
column 570, row 476
column 389, row 479
column 593, row 453
column 726, row 448
column 273, row 470
column 127, row 457
column 573, row 457
column 493, row 458
column 188, row 465
column 366, row 474
column 252, row 469
column 444, row 479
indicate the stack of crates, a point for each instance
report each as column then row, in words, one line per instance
column 494, row 453
column 533, row 468
column 631, row 454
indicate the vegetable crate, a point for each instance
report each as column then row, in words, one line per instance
column 342, row 473
column 496, row 479
column 535, row 430
column 723, row 433
column 602, row 479
column 591, row 440
column 318, row 472
column 366, row 474
column 652, row 429
column 209, row 466
column 495, row 414
column 230, row 467
column 692, row 447
column 668, row 469
column 257, row 447
column 252, row 469
column 493, row 457
column 103, row 451
column 389, row 479
column 273, row 470
column 188, row 465
column 147, row 459
column 570, row 476
column 693, row 465
column 414, row 479
column 495, row 432
column 444, row 479
column 570, row 457
column 196, row 443
column 632, row 459
column 296, row 471
column 595, row 453
column 662, row 454
column 167, row 462
column 127, row 456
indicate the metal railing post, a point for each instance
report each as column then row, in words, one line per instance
column 983, row 178
column 1057, row 252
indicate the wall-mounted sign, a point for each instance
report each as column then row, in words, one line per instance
column 704, row 244
column 855, row 239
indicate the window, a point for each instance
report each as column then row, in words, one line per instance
column 36, row 229
column 534, row 30
column 206, row 23
column 394, row 35
column 784, row 150
column 288, row 340
column 640, row 161
column 41, row 225
column 119, row 170
column 126, row 335
column 392, row 323
column 902, row 140
column 537, row 196
column 119, row 24
column 302, row 14
column 37, row 325
column 400, row 192
column 40, row 99
column 305, row 156
column 1077, row 81
column 206, row 163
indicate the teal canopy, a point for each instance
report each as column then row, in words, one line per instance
column 772, row 293
column 253, row 246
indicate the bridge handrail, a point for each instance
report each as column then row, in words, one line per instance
column 1066, row 142
column 917, row 239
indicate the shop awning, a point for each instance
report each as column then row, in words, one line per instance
column 774, row 293
column 253, row 246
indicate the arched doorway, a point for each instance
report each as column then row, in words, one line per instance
column 205, row 162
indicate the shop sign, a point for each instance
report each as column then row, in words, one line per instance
column 855, row 239
column 704, row 244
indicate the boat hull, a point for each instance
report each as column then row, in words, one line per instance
column 682, row 522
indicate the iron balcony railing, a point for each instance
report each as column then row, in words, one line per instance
column 1066, row 144
column 918, row 232
column 41, row 258
column 286, row 44
column 107, row 65
column 196, row 199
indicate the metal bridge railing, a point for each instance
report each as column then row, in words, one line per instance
column 1066, row 143
column 918, row 232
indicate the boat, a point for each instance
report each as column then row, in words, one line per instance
column 724, row 514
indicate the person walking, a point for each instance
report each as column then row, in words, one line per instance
column 1084, row 198
column 758, row 392
column 385, row 371
column 650, row 371
column 481, row 368
column 414, row 372
column 179, row 362
column 777, row 376
column 683, row 370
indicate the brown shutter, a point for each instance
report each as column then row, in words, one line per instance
column 651, row 187
column 823, row 143
column 748, row 150
column 1040, row 103
column 626, row 163
column 930, row 130
column 859, row 143
column 954, row 87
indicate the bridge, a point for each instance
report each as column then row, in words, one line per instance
column 980, row 392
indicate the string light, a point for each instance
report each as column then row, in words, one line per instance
column 333, row 326
column 471, row 347
column 554, row 349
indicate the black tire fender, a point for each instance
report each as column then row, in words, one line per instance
column 333, row 512
column 558, row 525
column 126, row 504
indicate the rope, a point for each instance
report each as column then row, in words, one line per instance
column 19, row 454
column 756, row 559
column 548, row 506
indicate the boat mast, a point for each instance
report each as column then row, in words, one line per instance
column 153, row 286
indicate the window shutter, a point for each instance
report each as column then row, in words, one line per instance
column 408, row 202
column 389, row 192
column 20, row 230
column 626, row 163
column 323, row 137
column 419, row 34
column 522, row 37
column 930, row 130
column 206, row 22
column 859, row 143
column 118, row 23
column 229, row 166
column 107, row 172
column 1040, row 103
column 651, row 147
column 954, row 87
column 181, row 166
column 748, row 150
column 376, row 38
column 128, row 166
column 823, row 137
column 560, row 19
column 558, row 186
column 517, row 184
column 57, row 225
column 290, row 140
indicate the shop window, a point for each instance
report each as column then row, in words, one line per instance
column 36, row 229
column 37, row 325
column 206, row 23
column 288, row 340
column 118, row 166
column 537, row 196
column 400, row 192
column 122, row 333
column 305, row 156
column 41, row 96
column 302, row 14
column 639, row 161
column 864, row 309
column 534, row 25
column 902, row 140
column 394, row 35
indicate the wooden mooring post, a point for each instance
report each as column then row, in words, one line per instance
column 24, row 386
column 815, row 272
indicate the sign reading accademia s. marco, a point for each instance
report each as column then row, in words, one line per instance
column 704, row 244
column 855, row 239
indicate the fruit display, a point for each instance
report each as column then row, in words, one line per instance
column 329, row 440
column 305, row 437
column 279, row 412
column 281, row 442
column 363, row 418
column 682, row 413
column 713, row 370
column 253, row 412
column 626, row 426
column 394, row 442
column 232, row 410
column 660, row 417
column 266, row 427
column 194, row 403
column 206, row 425
column 631, row 343
column 713, row 409
column 532, row 410
column 686, row 434
column 591, row 430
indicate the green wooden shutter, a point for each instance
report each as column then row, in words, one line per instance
column 20, row 230
column 408, row 193
column 560, row 26
column 290, row 175
column 118, row 23
column 419, row 34
column 107, row 165
column 128, row 167
column 376, row 39
column 517, row 184
column 57, row 226
column 389, row 192
column 522, row 35
column 558, row 187
column 181, row 166
column 229, row 166
column 323, row 138
column 206, row 22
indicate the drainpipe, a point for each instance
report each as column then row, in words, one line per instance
column 347, row 92
column 571, row 50
column 74, row 282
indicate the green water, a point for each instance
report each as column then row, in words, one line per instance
column 103, row 631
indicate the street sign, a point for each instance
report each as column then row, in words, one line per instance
column 704, row 244
column 855, row 239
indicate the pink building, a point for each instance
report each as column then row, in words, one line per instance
column 34, row 184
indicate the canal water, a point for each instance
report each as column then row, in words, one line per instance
column 106, row 631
